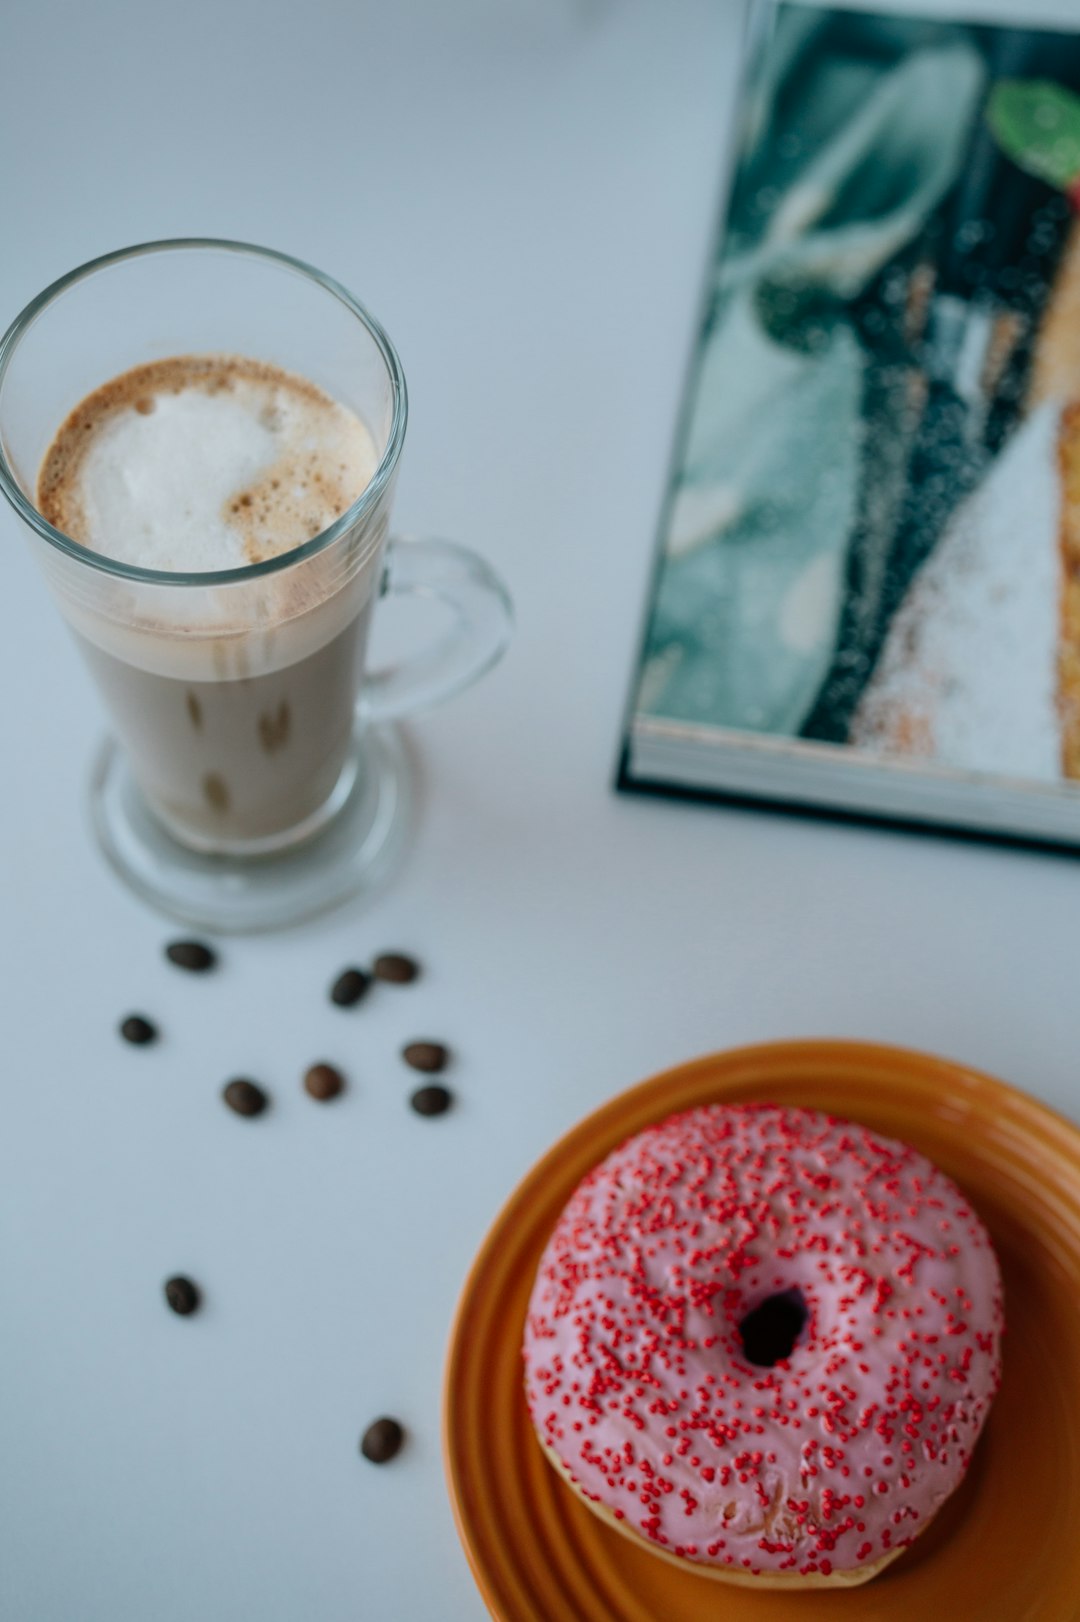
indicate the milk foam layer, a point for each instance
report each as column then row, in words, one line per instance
column 204, row 463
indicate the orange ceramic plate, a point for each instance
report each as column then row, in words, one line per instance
column 1005, row 1547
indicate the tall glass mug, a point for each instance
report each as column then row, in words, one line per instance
column 252, row 784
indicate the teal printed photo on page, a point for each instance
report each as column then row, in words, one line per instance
column 871, row 545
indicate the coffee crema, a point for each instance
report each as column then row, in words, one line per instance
column 203, row 462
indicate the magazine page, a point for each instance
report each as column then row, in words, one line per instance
column 872, row 541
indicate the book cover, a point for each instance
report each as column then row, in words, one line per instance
column 867, row 592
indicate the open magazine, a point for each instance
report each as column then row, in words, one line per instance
column 867, row 593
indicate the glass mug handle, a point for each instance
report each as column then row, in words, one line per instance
column 441, row 571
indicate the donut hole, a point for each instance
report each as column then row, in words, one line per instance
column 769, row 1330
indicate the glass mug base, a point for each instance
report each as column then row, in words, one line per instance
column 352, row 854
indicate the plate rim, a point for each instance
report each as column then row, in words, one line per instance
column 1059, row 1135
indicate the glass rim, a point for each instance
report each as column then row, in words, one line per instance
column 367, row 499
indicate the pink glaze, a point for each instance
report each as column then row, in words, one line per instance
column 635, row 1373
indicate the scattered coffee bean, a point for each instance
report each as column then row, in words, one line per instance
column 323, row 1082
column 432, row 1100
column 349, row 987
column 395, row 968
column 193, row 955
column 381, row 1440
column 182, row 1295
column 138, row 1030
column 429, row 1056
column 244, row 1097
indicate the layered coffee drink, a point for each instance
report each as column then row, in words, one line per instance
column 234, row 698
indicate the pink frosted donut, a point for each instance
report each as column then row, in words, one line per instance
column 765, row 1341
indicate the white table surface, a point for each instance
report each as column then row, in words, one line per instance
column 523, row 191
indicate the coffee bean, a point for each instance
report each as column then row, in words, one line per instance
column 138, row 1030
column 182, row 1295
column 349, row 987
column 193, row 955
column 433, row 1100
column 244, row 1097
column 429, row 1056
column 381, row 1440
column 323, row 1082
column 395, row 968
